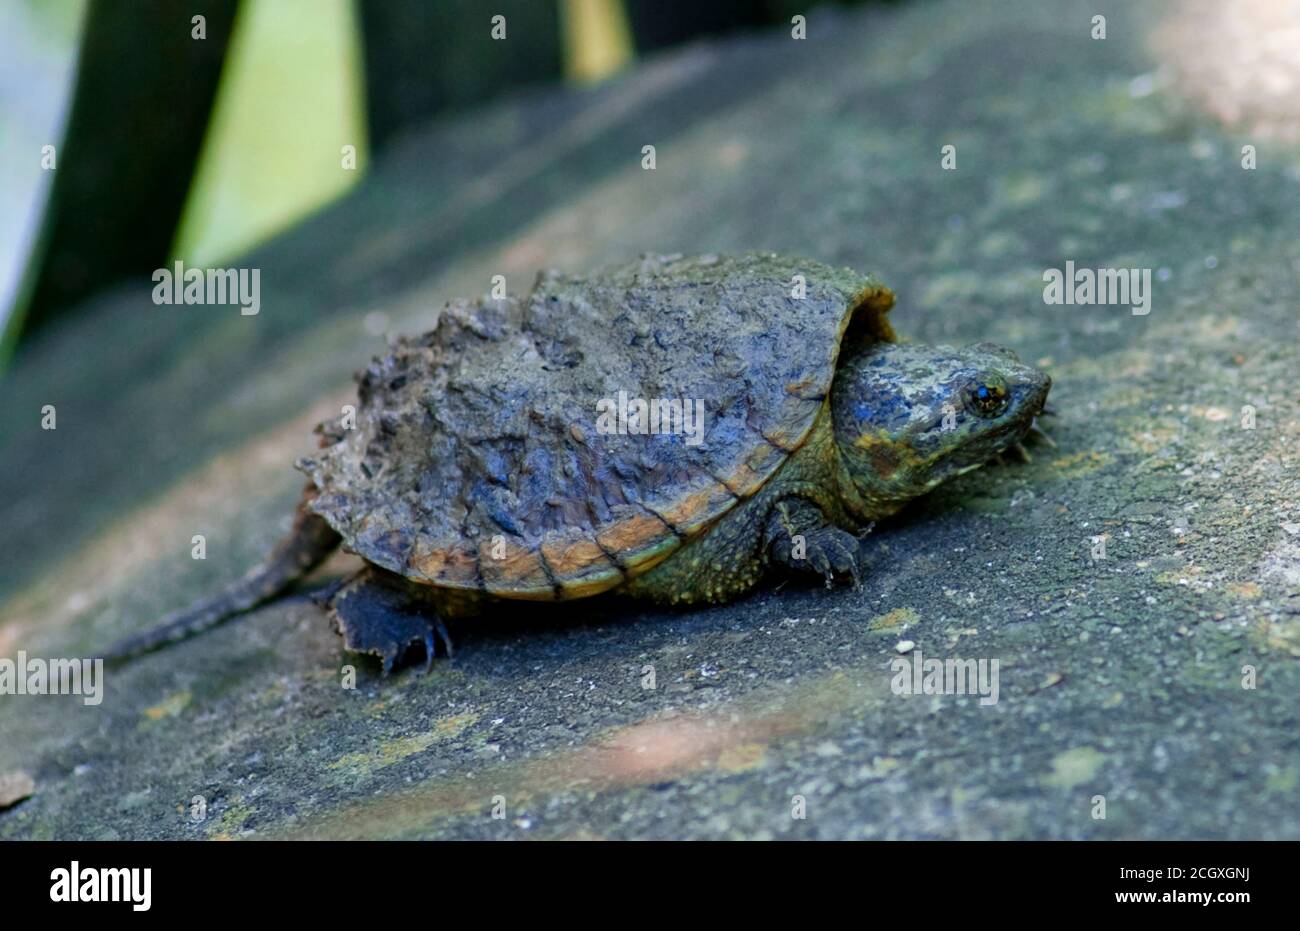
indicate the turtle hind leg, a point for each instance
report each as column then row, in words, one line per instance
column 380, row 615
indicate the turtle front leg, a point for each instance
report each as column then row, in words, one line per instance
column 379, row 615
column 799, row 536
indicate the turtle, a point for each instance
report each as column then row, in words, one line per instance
column 669, row 428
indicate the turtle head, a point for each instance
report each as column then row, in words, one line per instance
column 908, row 417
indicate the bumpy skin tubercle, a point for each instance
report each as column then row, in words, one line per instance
column 478, row 469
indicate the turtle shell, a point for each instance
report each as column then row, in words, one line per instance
column 479, row 458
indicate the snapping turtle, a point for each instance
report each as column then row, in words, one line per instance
column 668, row 428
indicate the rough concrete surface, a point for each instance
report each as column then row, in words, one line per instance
column 1120, row 677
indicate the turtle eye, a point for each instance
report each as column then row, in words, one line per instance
column 987, row 396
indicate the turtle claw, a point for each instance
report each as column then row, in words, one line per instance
column 430, row 648
column 835, row 551
column 437, row 625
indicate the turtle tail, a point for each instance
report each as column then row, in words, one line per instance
column 307, row 546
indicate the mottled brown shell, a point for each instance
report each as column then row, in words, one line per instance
column 476, row 463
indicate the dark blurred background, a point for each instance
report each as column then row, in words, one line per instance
column 140, row 132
